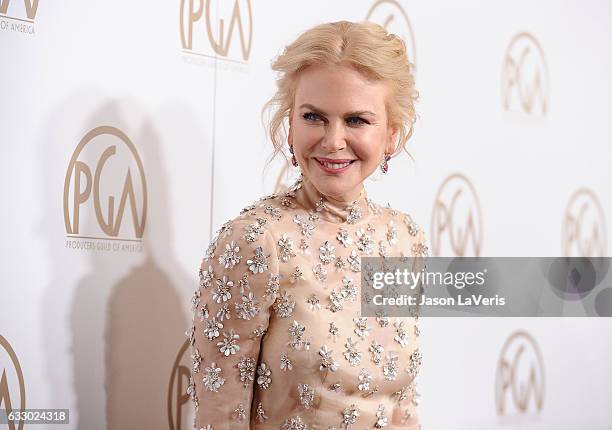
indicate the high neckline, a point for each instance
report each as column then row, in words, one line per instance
column 329, row 208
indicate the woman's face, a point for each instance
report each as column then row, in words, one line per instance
column 340, row 117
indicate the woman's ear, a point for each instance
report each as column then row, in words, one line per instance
column 391, row 140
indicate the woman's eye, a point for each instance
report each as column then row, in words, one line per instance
column 359, row 120
column 310, row 116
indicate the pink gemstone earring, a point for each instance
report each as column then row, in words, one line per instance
column 293, row 160
column 384, row 165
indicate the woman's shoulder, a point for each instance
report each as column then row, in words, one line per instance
column 400, row 217
column 406, row 222
column 254, row 221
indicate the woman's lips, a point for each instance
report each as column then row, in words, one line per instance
column 330, row 165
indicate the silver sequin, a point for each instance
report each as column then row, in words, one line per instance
column 254, row 230
column 344, row 238
column 284, row 304
column 362, row 329
column 327, row 252
column 286, row 252
column 272, row 287
column 320, row 272
column 335, row 301
column 296, row 336
column 285, row 362
column 420, row 250
column 196, row 360
column 376, row 351
column 264, row 376
column 204, row 312
column 352, row 355
column 354, row 261
column 355, row 213
column 212, row 378
column 390, row 369
column 223, row 313
column 248, row 307
column 401, row 336
column 334, row 331
column 365, row 379
column 313, row 302
column 195, row 300
column 222, row 293
column 349, row 290
column 306, row 393
column 239, row 413
column 260, row 413
column 243, row 283
column 364, row 241
column 294, row 423
column 392, row 234
column 274, row 212
column 296, row 275
column 350, row 415
column 414, row 363
column 258, row 264
column 381, row 417
column 212, row 328
column 327, row 361
column 413, row 228
column 207, row 277
column 230, row 256
column 229, row 346
column 246, row 370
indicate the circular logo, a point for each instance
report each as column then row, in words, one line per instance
column 519, row 380
column 456, row 219
column 203, row 35
column 525, row 82
column 105, row 179
column 583, row 231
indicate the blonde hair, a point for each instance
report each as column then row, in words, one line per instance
column 365, row 46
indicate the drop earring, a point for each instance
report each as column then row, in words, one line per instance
column 384, row 165
column 293, row 160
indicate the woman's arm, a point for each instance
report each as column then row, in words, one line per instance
column 238, row 284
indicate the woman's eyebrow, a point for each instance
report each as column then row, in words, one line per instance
column 354, row 113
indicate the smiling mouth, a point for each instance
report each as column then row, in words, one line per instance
column 334, row 164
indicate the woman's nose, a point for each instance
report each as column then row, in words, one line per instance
column 335, row 137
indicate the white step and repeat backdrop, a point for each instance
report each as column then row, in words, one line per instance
column 131, row 131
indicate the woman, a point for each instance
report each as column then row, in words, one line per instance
column 277, row 338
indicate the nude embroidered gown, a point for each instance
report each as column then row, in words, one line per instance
column 277, row 340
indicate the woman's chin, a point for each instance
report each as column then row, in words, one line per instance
column 334, row 187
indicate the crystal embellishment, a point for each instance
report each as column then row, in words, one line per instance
column 212, row 378
column 264, row 376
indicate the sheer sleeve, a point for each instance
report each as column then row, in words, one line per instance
column 238, row 284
